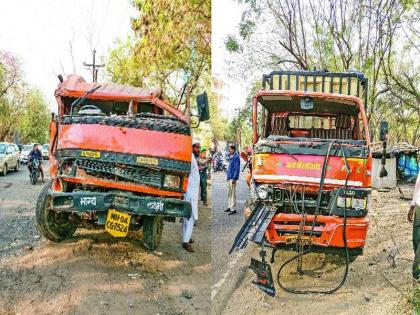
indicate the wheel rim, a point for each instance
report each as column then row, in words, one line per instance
column 57, row 221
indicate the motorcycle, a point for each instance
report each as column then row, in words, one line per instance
column 218, row 165
column 34, row 175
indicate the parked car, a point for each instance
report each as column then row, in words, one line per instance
column 26, row 149
column 45, row 148
column 9, row 157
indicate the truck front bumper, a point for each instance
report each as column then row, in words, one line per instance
column 86, row 201
column 328, row 231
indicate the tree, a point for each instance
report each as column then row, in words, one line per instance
column 335, row 35
column 22, row 109
column 34, row 121
column 171, row 41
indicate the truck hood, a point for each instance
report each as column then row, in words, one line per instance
column 142, row 142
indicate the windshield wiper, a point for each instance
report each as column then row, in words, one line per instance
column 275, row 147
column 79, row 100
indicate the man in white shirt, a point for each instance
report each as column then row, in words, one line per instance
column 191, row 195
column 414, row 217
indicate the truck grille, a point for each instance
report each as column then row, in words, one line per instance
column 128, row 173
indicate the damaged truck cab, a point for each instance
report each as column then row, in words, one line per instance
column 119, row 159
column 310, row 172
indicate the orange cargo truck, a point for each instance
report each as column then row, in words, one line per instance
column 310, row 169
column 119, row 159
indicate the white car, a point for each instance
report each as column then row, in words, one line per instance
column 26, row 149
column 9, row 157
column 45, row 149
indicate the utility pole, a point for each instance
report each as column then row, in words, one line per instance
column 94, row 67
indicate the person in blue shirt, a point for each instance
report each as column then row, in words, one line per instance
column 232, row 177
column 36, row 154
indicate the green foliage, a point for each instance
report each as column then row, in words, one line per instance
column 232, row 44
column 22, row 109
column 217, row 122
column 378, row 38
column 240, row 128
column 414, row 299
column 171, row 41
column 34, row 120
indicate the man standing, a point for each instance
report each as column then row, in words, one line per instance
column 191, row 196
column 232, row 177
column 203, row 168
column 414, row 213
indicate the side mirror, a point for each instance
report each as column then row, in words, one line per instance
column 383, row 131
column 203, row 107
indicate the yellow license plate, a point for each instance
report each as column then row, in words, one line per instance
column 293, row 239
column 117, row 223
column 91, row 154
column 147, row 160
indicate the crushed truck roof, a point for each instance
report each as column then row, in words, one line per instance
column 75, row 86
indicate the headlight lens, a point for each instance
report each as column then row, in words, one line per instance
column 172, row 181
column 352, row 202
column 262, row 191
column 341, row 202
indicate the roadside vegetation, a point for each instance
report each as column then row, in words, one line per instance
column 378, row 38
column 23, row 109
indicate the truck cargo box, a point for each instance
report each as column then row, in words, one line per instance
column 346, row 83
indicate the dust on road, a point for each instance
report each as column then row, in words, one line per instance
column 378, row 282
column 93, row 273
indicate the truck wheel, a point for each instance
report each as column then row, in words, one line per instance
column 17, row 167
column 52, row 225
column 152, row 231
column 4, row 172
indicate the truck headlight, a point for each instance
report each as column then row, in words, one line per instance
column 341, row 202
column 262, row 191
column 172, row 181
column 353, row 202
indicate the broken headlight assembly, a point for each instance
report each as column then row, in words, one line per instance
column 355, row 201
column 263, row 191
column 172, row 181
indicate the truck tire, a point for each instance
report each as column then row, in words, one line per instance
column 152, row 231
column 4, row 171
column 52, row 225
column 17, row 167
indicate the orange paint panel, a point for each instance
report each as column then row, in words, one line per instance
column 126, row 140
column 280, row 168
column 329, row 227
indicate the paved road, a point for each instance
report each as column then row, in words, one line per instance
column 17, row 197
column 226, row 269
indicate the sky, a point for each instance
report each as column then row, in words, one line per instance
column 39, row 34
column 226, row 15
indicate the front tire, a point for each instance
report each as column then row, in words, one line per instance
column 17, row 167
column 4, row 172
column 53, row 225
column 152, row 231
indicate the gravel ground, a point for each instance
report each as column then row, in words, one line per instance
column 93, row 273
column 376, row 284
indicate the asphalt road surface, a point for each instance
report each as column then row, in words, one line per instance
column 226, row 269
column 94, row 273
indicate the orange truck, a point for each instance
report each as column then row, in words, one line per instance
column 310, row 169
column 119, row 159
